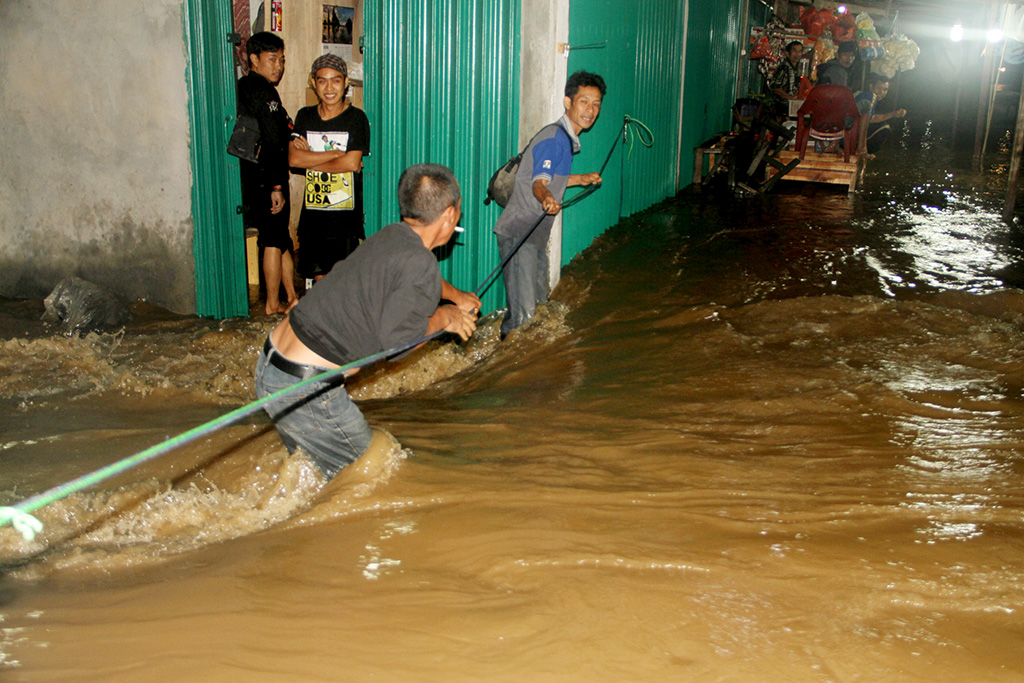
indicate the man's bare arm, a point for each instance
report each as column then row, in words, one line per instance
column 584, row 179
column 348, row 161
column 544, row 196
column 452, row 319
column 330, row 161
column 895, row 114
column 467, row 301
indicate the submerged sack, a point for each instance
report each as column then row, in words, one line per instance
column 499, row 189
column 245, row 138
column 82, row 307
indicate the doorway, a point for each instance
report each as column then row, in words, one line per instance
column 309, row 29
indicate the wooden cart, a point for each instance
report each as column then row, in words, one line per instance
column 823, row 168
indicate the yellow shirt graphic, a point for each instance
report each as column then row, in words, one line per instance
column 329, row 191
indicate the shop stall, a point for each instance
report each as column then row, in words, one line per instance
column 822, row 156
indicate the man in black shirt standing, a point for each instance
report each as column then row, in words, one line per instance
column 265, row 183
column 329, row 141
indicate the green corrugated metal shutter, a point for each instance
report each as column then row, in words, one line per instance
column 642, row 66
column 218, row 239
column 713, row 45
column 442, row 85
column 650, row 174
column 593, row 22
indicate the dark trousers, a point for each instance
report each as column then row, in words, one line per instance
column 526, row 281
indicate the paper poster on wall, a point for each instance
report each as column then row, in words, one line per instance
column 256, row 16
column 338, row 22
column 343, row 51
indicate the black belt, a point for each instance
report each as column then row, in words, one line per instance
column 275, row 358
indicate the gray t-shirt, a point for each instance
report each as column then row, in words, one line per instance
column 381, row 296
column 548, row 156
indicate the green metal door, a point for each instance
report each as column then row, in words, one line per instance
column 218, row 239
column 442, row 86
column 651, row 174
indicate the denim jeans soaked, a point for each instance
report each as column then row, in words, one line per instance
column 319, row 417
column 526, row 281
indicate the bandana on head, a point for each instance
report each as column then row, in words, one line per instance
column 329, row 61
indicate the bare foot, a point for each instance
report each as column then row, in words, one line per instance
column 272, row 308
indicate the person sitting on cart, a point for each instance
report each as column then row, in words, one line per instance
column 836, row 71
column 785, row 82
column 874, row 128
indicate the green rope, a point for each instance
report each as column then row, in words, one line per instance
column 24, row 523
column 642, row 133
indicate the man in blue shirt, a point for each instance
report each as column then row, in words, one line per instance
column 543, row 175
column 874, row 127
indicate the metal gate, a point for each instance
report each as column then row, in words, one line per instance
column 218, row 241
column 442, row 86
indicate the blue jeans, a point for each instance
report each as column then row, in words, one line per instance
column 319, row 417
column 526, row 281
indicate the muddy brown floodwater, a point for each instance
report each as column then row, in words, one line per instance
column 764, row 439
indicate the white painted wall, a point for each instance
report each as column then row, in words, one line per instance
column 542, row 74
column 94, row 161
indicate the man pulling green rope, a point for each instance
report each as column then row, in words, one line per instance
column 385, row 292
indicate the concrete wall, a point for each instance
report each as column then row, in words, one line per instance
column 545, row 27
column 542, row 74
column 94, row 160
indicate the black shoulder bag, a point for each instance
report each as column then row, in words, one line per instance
column 245, row 138
column 499, row 189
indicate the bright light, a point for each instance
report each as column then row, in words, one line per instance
column 841, row 9
column 956, row 34
column 994, row 35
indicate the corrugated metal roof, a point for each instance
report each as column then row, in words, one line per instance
column 922, row 11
